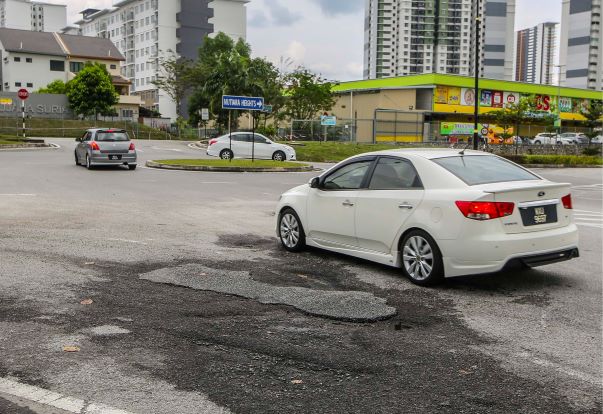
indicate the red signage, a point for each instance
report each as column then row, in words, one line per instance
column 23, row 94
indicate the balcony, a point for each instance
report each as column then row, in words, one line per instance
column 130, row 100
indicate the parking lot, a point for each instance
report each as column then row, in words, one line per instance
column 191, row 306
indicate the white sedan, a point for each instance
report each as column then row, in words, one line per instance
column 433, row 213
column 242, row 146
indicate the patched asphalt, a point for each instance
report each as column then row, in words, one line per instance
column 353, row 306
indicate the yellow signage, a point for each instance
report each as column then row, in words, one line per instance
column 6, row 101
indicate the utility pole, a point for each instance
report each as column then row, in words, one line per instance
column 478, row 28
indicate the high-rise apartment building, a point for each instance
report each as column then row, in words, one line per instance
column 32, row 15
column 145, row 30
column 581, row 54
column 535, row 54
column 404, row 37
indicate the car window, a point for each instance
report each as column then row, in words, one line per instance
column 484, row 169
column 240, row 137
column 87, row 136
column 112, row 136
column 394, row 174
column 260, row 140
column 348, row 177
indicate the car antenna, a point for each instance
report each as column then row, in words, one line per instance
column 462, row 153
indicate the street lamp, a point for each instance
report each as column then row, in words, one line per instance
column 558, row 122
column 478, row 28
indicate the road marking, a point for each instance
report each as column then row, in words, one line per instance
column 18, row 195
column 54, row 399
column 128, row 241
column 560, row 368
column 589, row 219
column 586, row 211
column 166, row 149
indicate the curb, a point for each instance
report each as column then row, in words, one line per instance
column 559, row 166
column 203, row 168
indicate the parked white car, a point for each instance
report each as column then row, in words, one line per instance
column 241, row 147
column 597, row 140
column 433, row 213
column 569, row 138
column 545, row 138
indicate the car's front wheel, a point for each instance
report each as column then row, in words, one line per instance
column 421, row 259
column 132, row 167
column 537, row 142
column 226, row 154
column 279, row 156
column 291, row 231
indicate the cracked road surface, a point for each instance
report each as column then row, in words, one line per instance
column 177, row 299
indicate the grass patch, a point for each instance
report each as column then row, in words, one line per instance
column 556, row 159
column 234, row 163
column 10, row 140
column 334, row 151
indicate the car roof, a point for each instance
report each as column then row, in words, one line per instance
column 107, row 129
column 427, row 153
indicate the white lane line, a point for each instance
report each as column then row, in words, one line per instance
column 128, row 241
column 18, row 195
column 589, row 219
column 54, row 399
column 586, row 211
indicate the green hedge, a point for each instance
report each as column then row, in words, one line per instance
column 556, row 159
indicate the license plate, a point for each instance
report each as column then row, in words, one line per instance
column 115, row 157
column 534, row 216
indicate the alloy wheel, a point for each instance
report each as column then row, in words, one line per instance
column 418, row 258
column 289, row 230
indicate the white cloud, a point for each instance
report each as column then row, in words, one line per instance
column 296, row 51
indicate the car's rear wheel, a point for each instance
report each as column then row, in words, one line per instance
column 291, row 231
column 421, row 259
column 132, row 167
column 88, row 162
column 226, row 154
column 279, row 156
column 77, row 160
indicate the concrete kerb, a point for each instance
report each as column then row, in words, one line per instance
column 559, row 166
column 203, row 168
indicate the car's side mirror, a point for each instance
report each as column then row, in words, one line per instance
column 315, row 183
column 78, row 139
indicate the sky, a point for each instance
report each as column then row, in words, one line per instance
column 326, row 36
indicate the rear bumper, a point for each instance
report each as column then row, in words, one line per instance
column 489, row 254
column 103, row 159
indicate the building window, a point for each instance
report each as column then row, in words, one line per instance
column 30, row 85
column 18, row 84
column 76, row 67
column 28, row 60
column 113, row 67
column 57, row 66
column 17, row 59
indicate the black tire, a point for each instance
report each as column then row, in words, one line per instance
column 279, row 156
column 537, row 142
column 88, row 164
column 559, row 143
column 226, row 154
column 417, row 259
column 77, row 160
column 132, row 167
column 289, row 225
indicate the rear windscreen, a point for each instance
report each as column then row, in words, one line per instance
column 475, row 170
column 111, row 136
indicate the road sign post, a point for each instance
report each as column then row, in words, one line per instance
column 23, row 94
column 243, row 103
column 327, row 121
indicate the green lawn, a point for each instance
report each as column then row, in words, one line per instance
column 234, row 163
column 334, row 151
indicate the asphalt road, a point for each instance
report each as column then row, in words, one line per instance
column 194, row 308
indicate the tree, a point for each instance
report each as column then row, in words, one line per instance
column 57, row 87
column 91, row 92
column 174, row 78
column 594, row 118
column 307, row 94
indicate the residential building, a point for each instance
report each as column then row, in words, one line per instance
column 438, row 36
column 535, row 54
column 581, row 54
column 147, row 30
column 31, row 60
column 32, row 15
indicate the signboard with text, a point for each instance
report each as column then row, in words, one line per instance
column 242, row 103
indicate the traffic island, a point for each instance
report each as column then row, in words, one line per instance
column 22, row 143
column 230, row 166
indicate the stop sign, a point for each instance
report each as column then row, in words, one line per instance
column 23, row 94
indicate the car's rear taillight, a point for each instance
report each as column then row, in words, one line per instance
column 132, row 147
column 485, row 210
column 94, row 146
column 567, row 202
column 212, row 142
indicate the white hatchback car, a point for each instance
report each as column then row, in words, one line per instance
column 434, row 213
column 241, row 147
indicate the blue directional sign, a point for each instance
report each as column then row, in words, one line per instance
column 242, row 103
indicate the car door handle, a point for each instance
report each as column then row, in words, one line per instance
column 405, row 206
column 348, row 203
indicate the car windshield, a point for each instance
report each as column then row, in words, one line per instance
column 111, row 136
column 484, row 169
